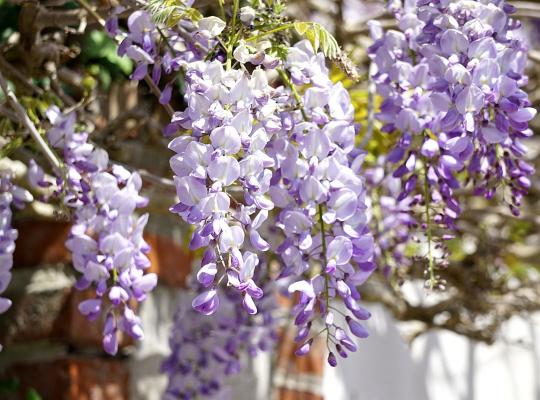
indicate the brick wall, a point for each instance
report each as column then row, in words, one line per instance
column 52, row 350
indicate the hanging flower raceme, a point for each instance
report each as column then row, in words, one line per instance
column 249, row 156
column 206, row 349
column 327, row 251
column 106, row 238
column 11, row 195
column 450, row 80
column 222, row 172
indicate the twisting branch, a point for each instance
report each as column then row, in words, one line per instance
column 25, row 120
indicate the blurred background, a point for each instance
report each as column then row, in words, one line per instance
column 477, row 340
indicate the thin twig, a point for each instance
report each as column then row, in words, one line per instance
column 92, row 12
column 157, row 92
column 25, row 120
column 149, row 177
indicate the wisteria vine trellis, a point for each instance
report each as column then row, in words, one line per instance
column 269, row 171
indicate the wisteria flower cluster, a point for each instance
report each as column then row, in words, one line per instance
column 254, row 151
column 207, row 349
column 160, row 61
column 225, row 147
column 321, row 195
column 106, row 239
column 11, row 195
column 450, row 79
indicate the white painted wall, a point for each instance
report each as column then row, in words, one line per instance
column 439, row 365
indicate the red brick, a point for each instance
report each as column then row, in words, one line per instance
column 288, row 394
column 73, row 378
column 169, row 260
column 53, row 316
column 33, row 317
column 311, row 363
column 289, row 364
column 40, row 242
column 43, row 242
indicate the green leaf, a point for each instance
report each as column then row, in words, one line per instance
column 99, row 46
column 319, row 37
column 170, row 12
column 32, row 394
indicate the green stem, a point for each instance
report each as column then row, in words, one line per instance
column 221, row 10
column 236, row 6
column 230, row 48
column 165, row 39
column 295, row 93
column 234, row 35
column 271, row 31
column 325, row 263
column 427, row 200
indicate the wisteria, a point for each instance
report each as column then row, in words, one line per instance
column 15, row 196
column 242, row 132
column 106, row 239
column 319, row 189
column 450, row 79
column 207, row 349
column 223, row 109
column 268, row 169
